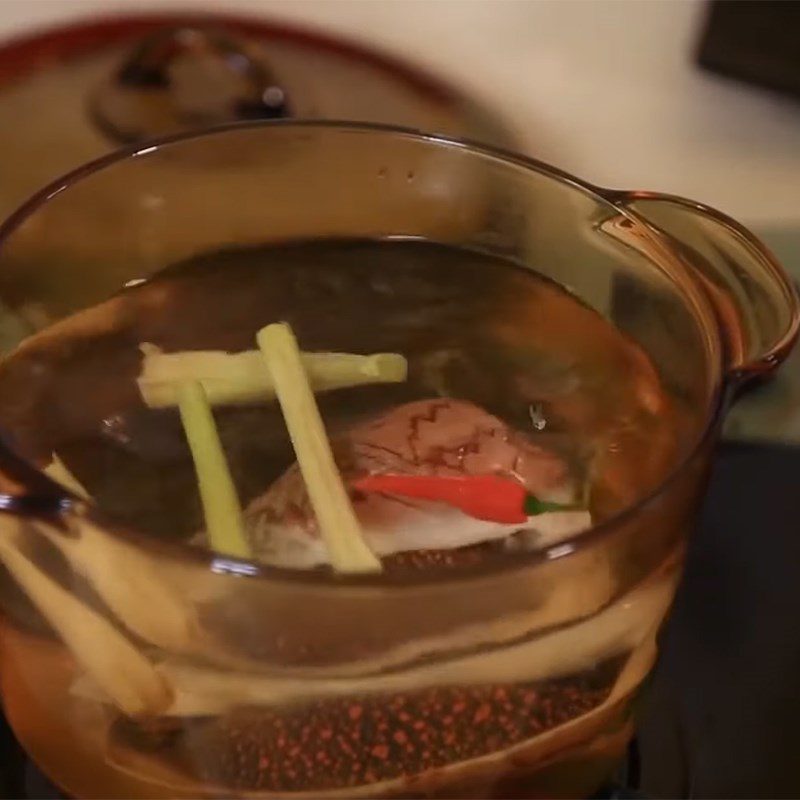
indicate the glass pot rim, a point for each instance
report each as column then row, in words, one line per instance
column 39, row 495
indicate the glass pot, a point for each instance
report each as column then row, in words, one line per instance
column 136, row 665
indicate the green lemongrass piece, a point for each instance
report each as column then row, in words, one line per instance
column 58, row 472
column 221, row 508
column 239, row 378
column 337, row 521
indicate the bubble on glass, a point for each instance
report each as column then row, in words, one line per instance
column 536, row 414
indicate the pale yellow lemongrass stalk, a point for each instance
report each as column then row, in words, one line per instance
column 138, row 595
column 56, row 470
column 336, row 518
column 125, row 578
column 240, row 378
column 124, row 674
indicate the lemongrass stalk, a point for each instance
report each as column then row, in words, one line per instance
column 223, row 513
column 240, row 378
column 137, row 593
column 58, row 472
column 139, row 597
column 618, row 629
column 337, row 521
column 124, row 674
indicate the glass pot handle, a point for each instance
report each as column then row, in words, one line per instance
column 755, row 301
column 182, row 78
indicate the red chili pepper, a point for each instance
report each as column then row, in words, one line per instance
column 487, row 497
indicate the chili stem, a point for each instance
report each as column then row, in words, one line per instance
column 533, row 506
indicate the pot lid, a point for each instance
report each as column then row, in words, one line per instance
column 72, row 93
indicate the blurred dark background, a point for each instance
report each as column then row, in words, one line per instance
column 754, row 41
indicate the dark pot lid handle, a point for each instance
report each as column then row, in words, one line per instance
column 186, row 77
